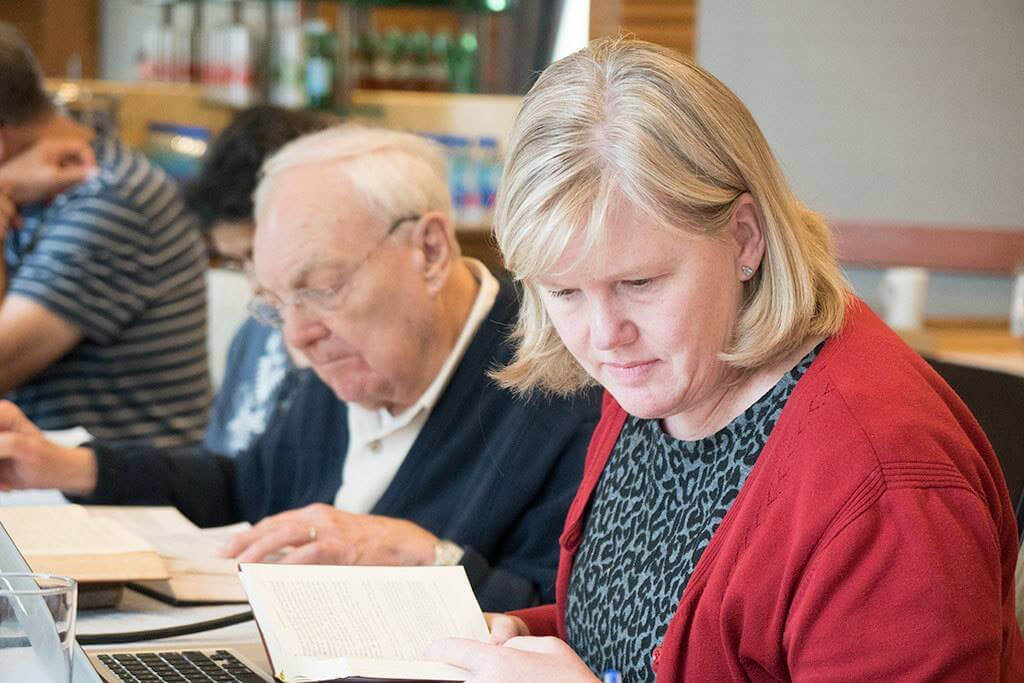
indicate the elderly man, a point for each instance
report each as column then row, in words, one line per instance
column 400, row 447
column 103, row 317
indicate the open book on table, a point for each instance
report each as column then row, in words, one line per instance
column 326, row 623
column 196, row 574
column 155, row 549
column 69, row 541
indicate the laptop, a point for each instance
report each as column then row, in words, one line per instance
column 152, row 663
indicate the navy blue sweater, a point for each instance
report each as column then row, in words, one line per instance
column 493, row 472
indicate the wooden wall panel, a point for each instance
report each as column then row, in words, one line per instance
column 667, row 22
column 972, row 249
column 56, row 30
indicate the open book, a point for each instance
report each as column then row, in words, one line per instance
column 67, row 540
column 324, row 623
column 196, row 572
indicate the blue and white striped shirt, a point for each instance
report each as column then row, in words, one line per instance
column 119, row 257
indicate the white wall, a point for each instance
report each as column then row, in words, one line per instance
column 910, row 110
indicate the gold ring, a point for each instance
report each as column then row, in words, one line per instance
column 312, row 534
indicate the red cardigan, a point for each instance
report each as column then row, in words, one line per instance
column 873, row 540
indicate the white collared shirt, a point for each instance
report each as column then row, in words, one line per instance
column 379, row 441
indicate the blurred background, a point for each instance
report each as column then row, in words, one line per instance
column 901, row 122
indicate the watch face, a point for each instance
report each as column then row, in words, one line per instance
column 447, row 554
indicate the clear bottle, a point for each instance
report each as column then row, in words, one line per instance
column 463, row 180
column 488, row 176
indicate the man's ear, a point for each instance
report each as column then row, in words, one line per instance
column 432, row 237
column 4, row 142
column 748, row 231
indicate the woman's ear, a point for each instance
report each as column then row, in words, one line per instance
column 747, row 229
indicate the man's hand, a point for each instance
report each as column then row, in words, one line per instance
column 519, row 660
column 322, row 534
column 29, row 461
column 46, row 169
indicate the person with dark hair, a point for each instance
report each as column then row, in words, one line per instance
column 259, row 372
column 221, row 195
column 103, row 313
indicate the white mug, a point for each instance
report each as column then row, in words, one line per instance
column 904, row 291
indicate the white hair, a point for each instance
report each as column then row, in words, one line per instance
column 397, row 174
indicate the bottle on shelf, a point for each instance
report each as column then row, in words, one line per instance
column 362, row 60
column 462, row 178
column 464, row 64
column 418, row 57
column 438, row 78
column 489, row 166
column 320, row 58
column 288, row 63
column 237, row 70
column 396, row 54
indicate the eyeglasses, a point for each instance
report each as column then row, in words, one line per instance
column 269, row 308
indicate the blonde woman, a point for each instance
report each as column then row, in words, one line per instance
column 778, row 488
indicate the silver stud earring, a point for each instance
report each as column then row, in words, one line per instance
column 747, row 271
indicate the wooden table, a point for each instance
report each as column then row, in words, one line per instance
column 978, row 342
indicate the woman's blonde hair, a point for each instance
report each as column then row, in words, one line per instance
column 632, row 120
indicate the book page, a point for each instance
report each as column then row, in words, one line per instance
column 362, row 613
column 189, row 548
column 58, row 530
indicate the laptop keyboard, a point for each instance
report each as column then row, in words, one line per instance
column 187, row 666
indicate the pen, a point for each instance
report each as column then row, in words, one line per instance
column 611, row 676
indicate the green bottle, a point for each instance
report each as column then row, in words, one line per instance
column 418, row 56
column 440, row 53
column 320, row 56
column 464, row 64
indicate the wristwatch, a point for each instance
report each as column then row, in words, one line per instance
column 447, row 553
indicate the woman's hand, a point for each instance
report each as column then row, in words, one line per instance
column 323, row 534
column 28, row 460
column 504, row 627
column 519, row 660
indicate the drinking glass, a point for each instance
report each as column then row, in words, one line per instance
column 37, row 627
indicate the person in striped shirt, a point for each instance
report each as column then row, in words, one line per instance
column 103, row 310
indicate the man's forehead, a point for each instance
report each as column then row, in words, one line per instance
column 307, row 221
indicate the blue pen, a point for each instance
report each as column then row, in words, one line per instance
column 611, row 676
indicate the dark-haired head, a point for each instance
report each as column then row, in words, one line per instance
column 221, row 195
column 230, row 169
column 23, row 100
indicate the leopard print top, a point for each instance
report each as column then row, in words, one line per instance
column 656, row 506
